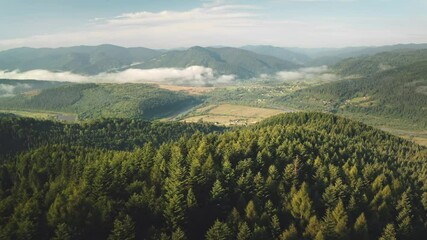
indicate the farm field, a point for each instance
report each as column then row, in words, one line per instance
column 186, row 89
column 231, row 114
column 60, row 116
column 419, row 137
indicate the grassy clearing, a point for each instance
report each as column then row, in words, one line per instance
column 420, row 140
column 230, row 114
column 422, row 90
column 66, row 117
column 243, row 111
column 185, row 89
column 419, row 137
column 398, row 127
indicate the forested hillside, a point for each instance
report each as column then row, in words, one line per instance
column 227, row 60
column 79, row 59
column 399, row 94
column 92, row 60
column 92, row 101
column 368, row 65
column 21, row 134
column 294, row 176
column 281, row 53
column 331, row 56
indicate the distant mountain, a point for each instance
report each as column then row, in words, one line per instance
column 245, row 62
column 281, row 53
column 227, row 60
column 80, row 59
column 331, row 56
column 326, row 56
column 366, row 65
column 91, row 60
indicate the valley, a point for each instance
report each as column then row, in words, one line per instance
column 213, row 120
column 237, row 105
column 239, row 141
column 389, row 98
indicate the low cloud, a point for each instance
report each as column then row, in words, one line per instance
column 8, row 90
column 194, row 76
column 40, row 74
column 307, row 74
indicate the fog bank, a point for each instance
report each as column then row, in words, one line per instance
column 194, row 75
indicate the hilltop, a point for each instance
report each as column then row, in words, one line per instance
column 300, row 175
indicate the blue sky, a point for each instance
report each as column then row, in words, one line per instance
column 184, row 23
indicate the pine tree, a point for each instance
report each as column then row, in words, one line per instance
column 208, row 170
column 328, row 226
column 62, row 232
column 25, row 219
column 301, row 204
column 217, row 192
column 234, row 218
column 341, row 219
column 289, row 175
column 290, row 234
column 158, row 171
column 163, row 236
column 174, row 186
column 389, row 233
column 260, row 189
column 178, row 234
column 270, row 209
column 123, row 229
column 272, row 178
column 251, row 213
column 196, row 176
column 260, row 232
column 404, row 217
column 191, row 199
column 227, row 171
column 312, row 229
column 219, row 231
column 26, row 229
column 424, row 200
column 361, row 227
column 319, row 236
column 244, row 233
column 275, row 226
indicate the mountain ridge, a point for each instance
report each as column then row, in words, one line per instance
column 92, row 60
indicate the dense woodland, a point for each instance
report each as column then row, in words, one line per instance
column 368, row 65
column 21, row 134
column 399, row 93
column 94, row 101
column 294, row 176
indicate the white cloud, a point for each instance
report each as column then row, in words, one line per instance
column 320, row 69
column 307, row 74
column 42, row 75
column 194, row 75
column 290, row 76
column 8, row 90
